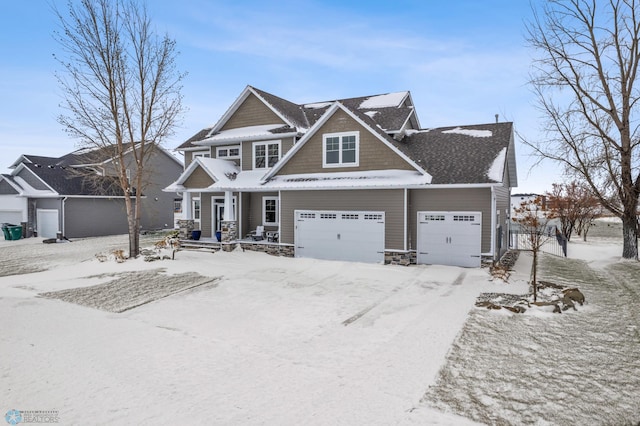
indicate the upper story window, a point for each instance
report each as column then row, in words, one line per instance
column 340, row 149
column 228, row 152
column 201, row 154
column 265, row 154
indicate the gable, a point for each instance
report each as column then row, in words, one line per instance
column 252, row 112
column 373, row 153
column 32, row 180
column 199, row 178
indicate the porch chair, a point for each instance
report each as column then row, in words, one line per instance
column 258, row 234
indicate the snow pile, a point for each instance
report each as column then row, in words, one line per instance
column 496, row 171
column 470, row 132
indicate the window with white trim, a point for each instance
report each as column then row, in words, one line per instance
column 270, row 211
column 228, row 152
column 265, row 154
column 204, row 154
column 340, row 149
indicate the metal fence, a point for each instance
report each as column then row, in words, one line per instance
column 556, row 246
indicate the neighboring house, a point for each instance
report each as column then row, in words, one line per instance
column 518, row 199
column 78, row 194
column 353, row 179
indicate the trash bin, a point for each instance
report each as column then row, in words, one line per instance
column 195, row 234
column 15, row 232
column 5, row 230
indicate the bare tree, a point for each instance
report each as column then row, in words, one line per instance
column 575, row 206
column 584, row 80
column 534, row 222
column 121, row 90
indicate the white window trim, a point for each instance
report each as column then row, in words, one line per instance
column 340, row 163
column 228, row 147
column 204, row 154
column 266, row 160
column 264, row 213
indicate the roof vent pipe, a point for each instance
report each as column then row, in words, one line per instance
column 496, row 118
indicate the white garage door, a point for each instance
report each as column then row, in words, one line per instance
column 13, row 217
column 340, row 235
column 450, row 238
column 47, row 223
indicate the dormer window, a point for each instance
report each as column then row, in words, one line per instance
column 228, row 152
column 265, row 154
column 341, row 149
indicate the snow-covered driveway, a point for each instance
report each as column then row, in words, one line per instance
column 274, row 341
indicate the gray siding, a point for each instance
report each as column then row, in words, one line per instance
column 157, row 205
column 461, row 199
column 391, row 201
column 93, row 217
column 503, row 212
column 198, row 179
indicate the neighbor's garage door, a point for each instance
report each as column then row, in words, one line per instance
column 47, row 222
column 340, row 235
column 450, row 238
column 13, row 217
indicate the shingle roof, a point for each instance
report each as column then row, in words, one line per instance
column 68, row 181
column 390, row 114
column 459, row 154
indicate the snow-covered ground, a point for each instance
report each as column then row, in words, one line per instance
column 266, row 340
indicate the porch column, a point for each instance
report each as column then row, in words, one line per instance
column 186, row 205
column 229, row 225
column 185, row 225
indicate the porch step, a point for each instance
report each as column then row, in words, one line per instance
column 197, row 245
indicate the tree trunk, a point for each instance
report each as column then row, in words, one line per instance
column 630, row 235
column 534, row 268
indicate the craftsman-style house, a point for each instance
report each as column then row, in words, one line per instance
column 353, row 179
column 77, row 195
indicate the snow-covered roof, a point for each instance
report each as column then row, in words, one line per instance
column 349, row 180
column 382, row 101
column 248, row 133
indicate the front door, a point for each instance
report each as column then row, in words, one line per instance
column 217, row 216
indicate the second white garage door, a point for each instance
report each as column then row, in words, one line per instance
column 47, row 221
column 355, row 236
column 450, row 238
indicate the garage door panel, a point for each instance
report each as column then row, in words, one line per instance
column 340, row 235
column 450, row 238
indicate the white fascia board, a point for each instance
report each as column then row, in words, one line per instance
column 511, row 162
column 230, row 111
column 236, row 104
column 20, row 160
column 276, row 112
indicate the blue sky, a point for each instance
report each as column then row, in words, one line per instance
column 463, row 61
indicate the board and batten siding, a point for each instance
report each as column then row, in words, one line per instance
column 391, row 201
column 455, row 199
column 198, row 179
column 373, row 153
column 252, row 112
